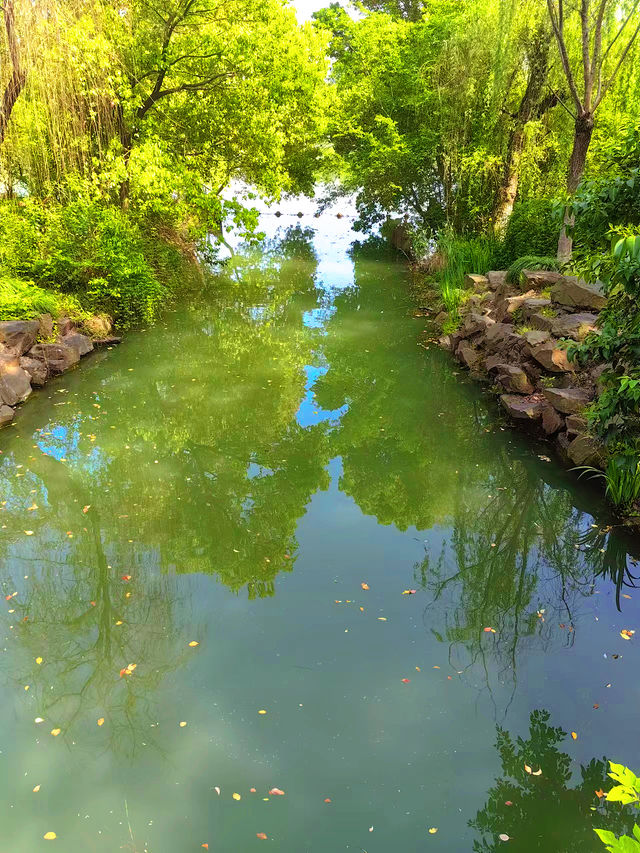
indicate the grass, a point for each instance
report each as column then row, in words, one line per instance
column 461, row 256
column 621, row 477
column 23, row 300
column 530, row 262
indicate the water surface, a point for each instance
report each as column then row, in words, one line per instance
column 277, row 500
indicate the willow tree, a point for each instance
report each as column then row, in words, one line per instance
column 607, row 32
column 17, row 75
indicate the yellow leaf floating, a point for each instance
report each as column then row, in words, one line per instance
column 49, row 836
column 182, row 724
column 194, row 643
column 626, row 634
column 38, row 661
column 237, row 797
column 36, row 789
column 574, row 735
column 55, row 732
column 262, row 711
column 101, row 721
column 433, row 830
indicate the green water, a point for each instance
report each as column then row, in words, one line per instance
column 232, row 477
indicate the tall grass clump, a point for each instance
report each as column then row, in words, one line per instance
column 461, row 255
column 621, row 478
column 530, row 262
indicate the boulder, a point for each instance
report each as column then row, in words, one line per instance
column 79, row 342
column 6, row 415
column 577, row 293
column 36, row 369
column 15, row 385
column 535, row 338
column 539, row 279
column 576, row 326
column 109, row 341
column 56, row 357
column 445, row 342
column 98, row 326
column 551, row 357
column 467, row 354
column 541, row 322
column 510, row 304
column 533, row 306
column 523, row 408
column 569, row 401
column 562, row 446
column 440, row 318
column 514, row 378
column 476, row 282
column 552, row 422
column 576, row 424
column 46, row 325
column 585, row 450
column 492, row 362
column 65, row 325
column 496, row 278
column 475, row 323
column 19, row 335
column 497, row 333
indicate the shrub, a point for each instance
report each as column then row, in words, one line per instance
column 22, row 300
column 530, row 262
column 533, row 229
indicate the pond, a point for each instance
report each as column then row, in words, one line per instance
column 275, row 573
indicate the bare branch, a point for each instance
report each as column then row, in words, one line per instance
column 557, row 22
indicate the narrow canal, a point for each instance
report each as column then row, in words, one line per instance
column 277, row 575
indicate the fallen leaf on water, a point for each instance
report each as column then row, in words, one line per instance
column 261, row 835
column 490, row 630
column 217, row 790
column 624, row 595
column 418, row 669
column 537, row 772
column 626, row 634
column 527, row 769
column 55, row 732
column 433, row 830
column 237, row 797
column 119, row 622
column 86, row 509
column 38, row 661
column 574, row 735
column 599, row 794
column 364, row 585
column 327, row 799
column 382, row 618
column 436, row 667
column 508, row 803
column 596, row 706
column 128, row 669
column 101, row 721
column 205, row 845
column 39, row 720
column 194, row 643
column 503, row 836
column 182, row 724
column 405, row 681
column 29, row 532
column 370, row 829
column 262, row 711
column 36, row 789
column 26, row 687
column 252, row 790
column 49, row 836
column 277, row 792
column 126, row 577
column 410, row 592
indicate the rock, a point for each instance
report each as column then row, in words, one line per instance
column 110, row 341
column 570, row 401
column 576, row 424
column 476, row 323
column 541, row 322
column 576, row 326
column 523, row 408
column 65, row 325
column 98, row 326
column 539, row 279
column 46, row 325
column 510, row 304
column 535, row 338
column 596, row 375
column 445, row 342
column 552, row 422
column 79, row 342
column 467, row 355
column 15, row 385
column 577, row 293
column 496, row 278
column 562, row 446
column 514, row 378
column 6, row 415
column 551, row 357
column 492, row 362
column 19, row 335
column 56, row 357
column 534, row 305
column 498, row 332
column 36, row 369
column 442, row 318
column 585, row 450
column 476, row 282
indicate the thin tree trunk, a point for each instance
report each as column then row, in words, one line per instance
column 18, row 77
column 581, row 141
column 127, row 145
column 511, row 179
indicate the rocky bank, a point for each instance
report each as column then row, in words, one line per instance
column 516, row 337
column 33, row 351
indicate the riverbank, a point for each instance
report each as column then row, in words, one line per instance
column 34, row 351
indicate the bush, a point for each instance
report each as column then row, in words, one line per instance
column 533, row 229
column 90, row 251
column 530, row 262
column 23, row 300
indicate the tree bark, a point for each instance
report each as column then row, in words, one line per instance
column 581, row 141
column 18, row 77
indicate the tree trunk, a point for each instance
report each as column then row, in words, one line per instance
column 18, row 77
column 511, row 178
column 127, row 144
column 581, row 141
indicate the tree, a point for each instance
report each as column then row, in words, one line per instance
column 599, row 67
column 16, row 81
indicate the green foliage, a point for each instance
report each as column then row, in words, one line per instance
column 532, row 230
column 461, row 256
column 529, row 262
column 23, row 300
column 626, row 792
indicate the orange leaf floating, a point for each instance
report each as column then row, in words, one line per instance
column 128, row 670
column 252, row 790
column 508, row 803
column 101, row 721
column 410, row 592
column 364, row 585
column 55, row 732
column 262, row 836
column 327, row 800
column 36, row 789
column 626, row 634
column 206, row 846
column 85, row 509
column 126, row 577
column 405, row 681
column 489, row 630
column 277, row 792
column 599, row 794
